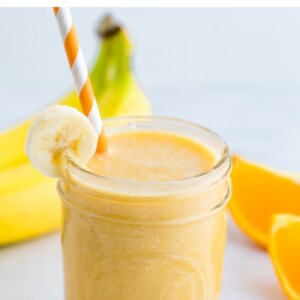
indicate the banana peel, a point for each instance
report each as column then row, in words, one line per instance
column 29, row 204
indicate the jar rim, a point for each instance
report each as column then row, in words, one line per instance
column 223, row 163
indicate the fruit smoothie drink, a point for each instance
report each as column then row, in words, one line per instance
column 146, row 220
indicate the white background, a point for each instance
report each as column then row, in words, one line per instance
column 236, row 71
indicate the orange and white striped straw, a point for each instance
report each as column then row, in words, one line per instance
column 80, row 72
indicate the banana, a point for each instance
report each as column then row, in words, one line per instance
column 29, row 211
column 29, row 204
column 119, row 95
column 56, row 133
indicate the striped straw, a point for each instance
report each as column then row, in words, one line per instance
column 80, row 72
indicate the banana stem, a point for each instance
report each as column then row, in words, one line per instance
column 98, row 74
column 113, row 63
column 122, row 58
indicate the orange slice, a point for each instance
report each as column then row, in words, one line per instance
column 259, row 192
column 284, row 249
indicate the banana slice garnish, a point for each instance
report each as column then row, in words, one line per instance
column 56, row 133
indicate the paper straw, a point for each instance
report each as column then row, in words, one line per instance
column 80, row 73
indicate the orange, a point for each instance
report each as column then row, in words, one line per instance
column 284, row 249
column 259, row 192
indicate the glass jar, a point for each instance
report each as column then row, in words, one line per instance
column 146, row 241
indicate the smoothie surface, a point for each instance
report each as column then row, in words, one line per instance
column 154, row 156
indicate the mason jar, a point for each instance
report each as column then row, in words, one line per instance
column 146, row 240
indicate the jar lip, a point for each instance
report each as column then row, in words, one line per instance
column 225, row 158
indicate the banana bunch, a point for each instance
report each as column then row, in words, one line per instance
column 29, row 204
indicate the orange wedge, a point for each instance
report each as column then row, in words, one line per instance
column 284, row 249
column 258, row 193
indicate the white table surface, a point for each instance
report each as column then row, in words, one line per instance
column 258, row 124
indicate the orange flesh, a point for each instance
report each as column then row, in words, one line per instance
column 285, row 251
column 259, row 193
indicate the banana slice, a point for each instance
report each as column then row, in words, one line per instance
column 57, row 132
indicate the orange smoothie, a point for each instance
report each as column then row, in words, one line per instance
column 152, row 157
column 146, row 220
